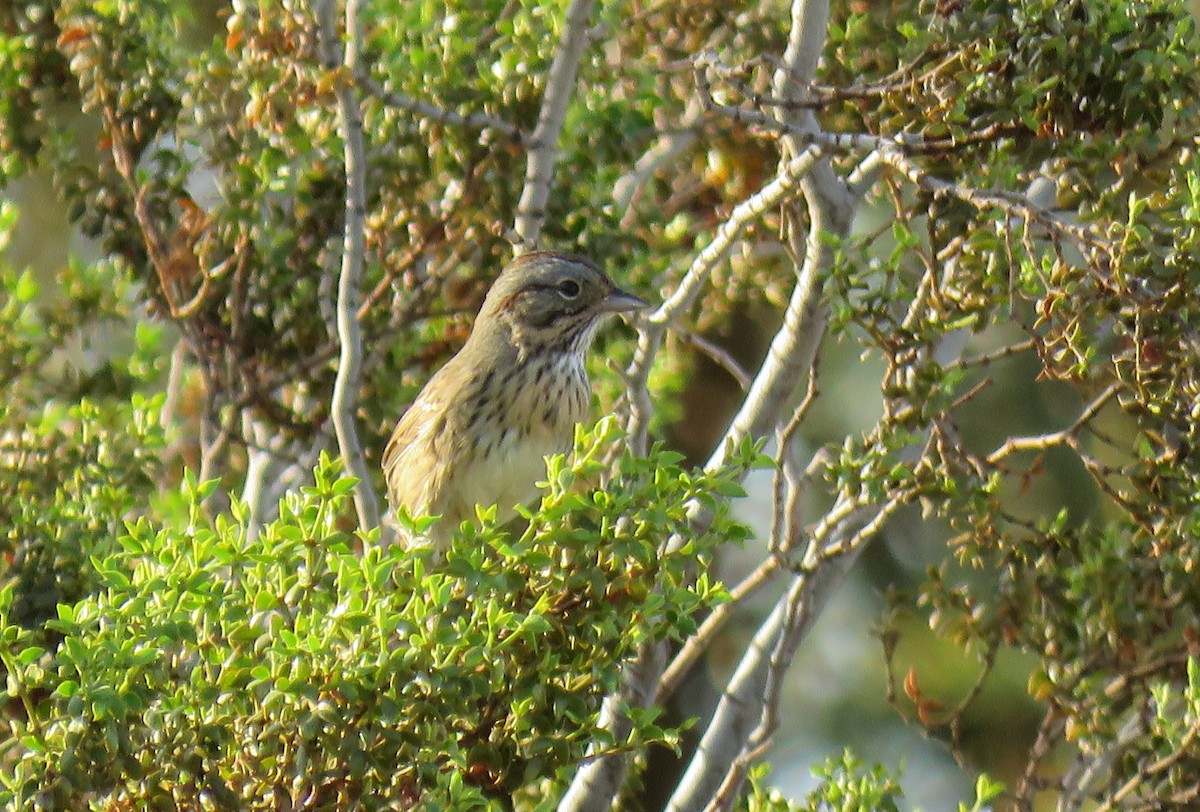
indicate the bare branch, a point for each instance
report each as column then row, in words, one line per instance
column 215, row 435
column 848, row 543
column 588, row 790
column 790, row 480
column 714, row 352
column 275, row 465
column 788, row 102
column 760, row 739
column 349, row 374
column 728, row 744
column 1016, row 205
column 833, row 547
column 740, row 711
column 174, row 387
column 988, row 358
column 865, row 175
column 793, row 349
column 895, row 151
column 782, row 187
column 1090, row 770
column 543, row 145
column 260, row 462
column 1065, row 436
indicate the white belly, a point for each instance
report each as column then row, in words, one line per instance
column 508, row 476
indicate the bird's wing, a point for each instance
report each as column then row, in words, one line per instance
column 413, row 426
column 419, row 450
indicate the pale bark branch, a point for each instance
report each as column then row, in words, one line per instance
column 349, row 374
column 988, row 358
column 1089, row 771
column 743, row 722
column 1016, row 205
column 894, row 151
column 543, row 144
column 741, row 708
column 174, row 389
column 784, row 185
column 759, row 740
column 715, row 353
column 790, row 481
column 792, row 350
column 260, row 462
column 746, row 717
column 275, row 465
column 832, row 548
column 1148, row 771
column 1065, row 436
column 865, row 175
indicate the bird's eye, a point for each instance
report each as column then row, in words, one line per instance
column 569, row 288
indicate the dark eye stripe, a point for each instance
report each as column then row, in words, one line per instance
column 555, row 288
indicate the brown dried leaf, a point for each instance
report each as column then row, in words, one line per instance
column 911, row 689
column 73, row 35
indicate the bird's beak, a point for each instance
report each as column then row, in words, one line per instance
column 618, row 301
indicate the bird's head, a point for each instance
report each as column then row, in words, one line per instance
column 553, row 301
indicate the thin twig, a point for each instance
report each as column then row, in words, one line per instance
column 1049, row 728
column 707, row 65
column 782, row 187
column 1016, row 205
column 1042, row 442
column 741, row 724
column 1004, row 353
column 788, row 486
column 761, row 738
column 715, row 353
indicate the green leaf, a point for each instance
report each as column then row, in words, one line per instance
column 67, row 689
column 26, row 288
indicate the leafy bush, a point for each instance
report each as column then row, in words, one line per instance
column 297, row 668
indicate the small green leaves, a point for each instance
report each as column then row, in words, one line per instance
column 521, row 637
column 987, row 789
column 845, row 784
